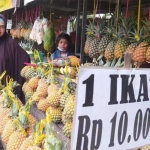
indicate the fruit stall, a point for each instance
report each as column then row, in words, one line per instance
column 113, row 34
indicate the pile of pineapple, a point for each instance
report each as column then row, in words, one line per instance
column 107, row 42
column 52, row 88
column 19, row 129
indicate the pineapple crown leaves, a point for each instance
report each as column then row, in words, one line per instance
column 14, row 108
column 38, row 130
column 126, row 25
column 53, row 143
column 138, row 37
column 146, row 25
column 24, row 113
column 7, row 100
column 18, row 126
column 90, row 28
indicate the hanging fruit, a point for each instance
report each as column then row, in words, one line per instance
column 49, row 39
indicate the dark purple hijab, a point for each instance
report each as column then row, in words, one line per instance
column 12, row 59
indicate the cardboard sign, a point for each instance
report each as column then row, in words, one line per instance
column 112, row 109
column 8, row 4
column 27, row 1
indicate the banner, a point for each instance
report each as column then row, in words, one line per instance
column 27, row 1
column 8, row 4
column 112, row 109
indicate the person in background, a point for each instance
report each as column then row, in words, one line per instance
column 63, row 43
column 12, row 58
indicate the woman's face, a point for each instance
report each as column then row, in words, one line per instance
column 63, row 44
column 2, row 29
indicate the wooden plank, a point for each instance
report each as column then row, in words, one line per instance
column 127, row 60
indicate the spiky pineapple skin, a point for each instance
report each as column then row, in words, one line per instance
column 56, row 114
column 30, row 73
column 145, row 147
column 63, row 99
column 87, row 44
column 33, row 83
column 3, row 123
column 26, row 143
column 94, row 52
column 43, row 105
column 54, row 99
column 8, row 130
column 120, row 48
column 139, row 55
column 148, row 54
column 67, row 129
column 69, row 109
column 15, row 140
column 52, row 88
column 42, row 89
column 74, row 61
column 109, row 52
column 105, row 40
column 23, row 71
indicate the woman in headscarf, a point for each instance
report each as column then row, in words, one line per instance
column 12, row 58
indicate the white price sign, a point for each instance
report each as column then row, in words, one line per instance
column 112, row 109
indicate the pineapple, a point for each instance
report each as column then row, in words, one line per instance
column 148, row 54
column 94, row 53
column 42, row 89
column 43, row 105
column 139, row 55
column 69, row 108
column 30, row 73
column 8, row 130
column 23, row 71
column 31, row 119
column 15, row 140
column 33, row 83
column 56, row 114
column 67, row 129
column 3, row 123
column 126, row 26
column 52, row 88
column 105, row 40
column 145, row 147
column 64, row 120
column 4, row 112
column 98, row 31
column 90, row 37
column 26, row 143
column 120, row 47
column 109, row 52
column 88, row 44
column 54, row 99
column 26, row 88
column 74, row 61
column 63, row 99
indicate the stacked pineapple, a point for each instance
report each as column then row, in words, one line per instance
column 115, row 42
